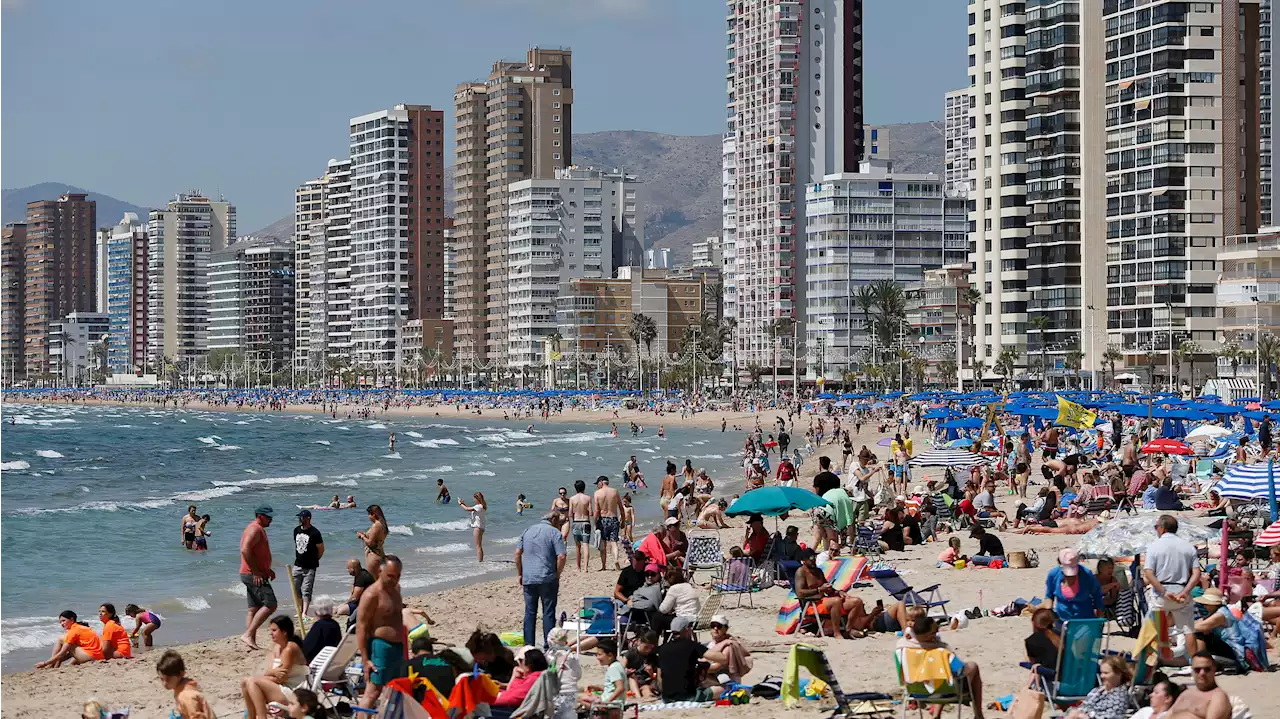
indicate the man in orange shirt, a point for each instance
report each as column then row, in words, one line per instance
column 80, row 644
column 256, row 574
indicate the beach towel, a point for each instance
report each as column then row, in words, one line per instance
column 470, row 692
column 842, row 573
column 651, row 546
column 401, row 703
column 1152, row 647
column 928, row 667
column 663, row 706
column 814, row 661
column 739, row 659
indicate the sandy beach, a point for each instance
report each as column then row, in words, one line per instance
column 860, row 665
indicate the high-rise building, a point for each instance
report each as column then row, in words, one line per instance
column 58, row 276
column 397, row 227
column 127, row 246
column 866, row 227
column 957, row 178
column 13, row 250
column 940, row 314
column 308, row 217
column 180, row 239
column 450, row 274
column 1181, row 168
column 251, row 302
column 516, row 125
column 795, row 106
column 582, row 223
column 729, row 221
column 1248, row 299
column 330, row 273
column 1269, row 150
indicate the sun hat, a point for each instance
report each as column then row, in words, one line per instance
column 1211, row 597
column 671, row 521
column 1069, row 561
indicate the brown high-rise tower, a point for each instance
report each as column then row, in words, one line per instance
column 516, row 125
column 58, row 270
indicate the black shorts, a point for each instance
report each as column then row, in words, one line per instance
column 258, row 595
column 1049, row 453
column 886, row 623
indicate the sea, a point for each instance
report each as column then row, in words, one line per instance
column 93, row 499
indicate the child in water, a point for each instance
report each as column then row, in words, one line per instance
column 522, row 505
column 202, row 533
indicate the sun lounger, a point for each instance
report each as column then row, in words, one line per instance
column 330, row 674
column 892, row 582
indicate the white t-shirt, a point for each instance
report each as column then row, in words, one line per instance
column 477, row 517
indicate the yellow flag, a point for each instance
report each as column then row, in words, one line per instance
column 1071, row 414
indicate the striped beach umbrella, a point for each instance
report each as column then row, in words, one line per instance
column 1270, row 536
column 1246, row 481
column 947, row 458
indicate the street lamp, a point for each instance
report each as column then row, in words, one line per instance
column 1169, row 305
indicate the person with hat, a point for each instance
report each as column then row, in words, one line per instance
column 683, row 665
column 308, row 548
column 756, row 539
column 256, row 574
column 674, row 541
column 738, row 660
column 1072, row 591
column 990, row 548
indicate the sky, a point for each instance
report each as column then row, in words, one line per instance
column 142, row 99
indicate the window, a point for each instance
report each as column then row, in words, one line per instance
column 555, row 106
column 555, row 131
column 555, row 91
column 555, row 118
column 555, row 156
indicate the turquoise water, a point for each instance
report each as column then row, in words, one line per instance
column 93, row 498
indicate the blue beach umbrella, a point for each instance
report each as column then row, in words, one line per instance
column 774, row 501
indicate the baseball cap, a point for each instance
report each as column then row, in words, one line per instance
column 1069, row 560
column 304, row 514
column 672, row 520
column 651, row 567
column 720, row 619
column 264, row 510
column 679, row 624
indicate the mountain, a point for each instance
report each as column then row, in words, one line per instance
column 681, row 176
column 110, row 210
column 280, row 230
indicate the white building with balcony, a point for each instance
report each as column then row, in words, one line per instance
column 862, row 228
column 1248, row 295
column 583, row 223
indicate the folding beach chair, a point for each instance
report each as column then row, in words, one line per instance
column 736, row 576
column 598, row 618
column 927, row 677
column 704, row 551
column 892, row 582
column 1076, row 672
column 330, row 674
column 710, row 607
column 815, row 660
column 867, row 542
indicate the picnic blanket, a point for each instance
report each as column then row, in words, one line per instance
column 841, row 573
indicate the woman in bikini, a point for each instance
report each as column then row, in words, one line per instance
column 376, row 536
column 189, row 522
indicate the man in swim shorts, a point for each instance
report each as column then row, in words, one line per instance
column 256, row 575
column 608, row 515
column 580, row 513
column 380, row 632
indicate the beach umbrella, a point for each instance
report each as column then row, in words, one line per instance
column 773, row 501
column 947, row 458
column 1270, row 536
column 1246, row 481
column 1167, row 446
column 1128, row 536
column 884, row 442
column 1208, row 431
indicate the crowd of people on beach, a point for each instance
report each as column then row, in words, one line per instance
column 869, row 506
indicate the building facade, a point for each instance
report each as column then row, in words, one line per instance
column 957, row 178
column 127, row 293
column 1247, row 297
column 582, row 223
column 795, row 107
column 862, row 228
column 13, row 249
column 1181, row 169
column 941, row 318
column 708, row 253
column 729, row 213
column 450, row 273
column 58, row 272
column 180, row 240
column 516, row 125
column 1269, row 151
column 396, row 228
column 251, row 302
column 74, row 347
column 308, row 217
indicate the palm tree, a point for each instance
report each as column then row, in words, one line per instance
column 1233, row 354
column 947, row 372
column 977, row 368
column 865, row 300
column 1110, row 357
column 642, row 331
column 890, row 306
column 755, row 371
column 918, row 367
column 1073, row 361
column 1006, row 363
column 1150, row 356
column 1185, row 353
column 1041, row 323
column 1268, row 357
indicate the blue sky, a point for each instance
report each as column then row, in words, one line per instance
column 141, row 99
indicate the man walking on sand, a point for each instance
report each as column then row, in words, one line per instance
column 608, row 516
column 380, row 632
column 308, row 548
column 580, row 522
column 540, row 556
column 1171, row 570
column 256, row 574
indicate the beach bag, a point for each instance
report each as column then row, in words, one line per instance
column 1248, row 641
column 597, row 538
column 1027, row 704
column 768, row 688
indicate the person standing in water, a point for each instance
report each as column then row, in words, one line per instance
column 442, row 497
column 477, row 511
column 376, row 536
column 189, row 522
column 391, row 442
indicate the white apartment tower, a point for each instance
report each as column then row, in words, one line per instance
column 1181, row 167
column 729, row 213
column 957, row 178
column 795, row 109
column 180, row 240
column 308, row 215
column 583, row 223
